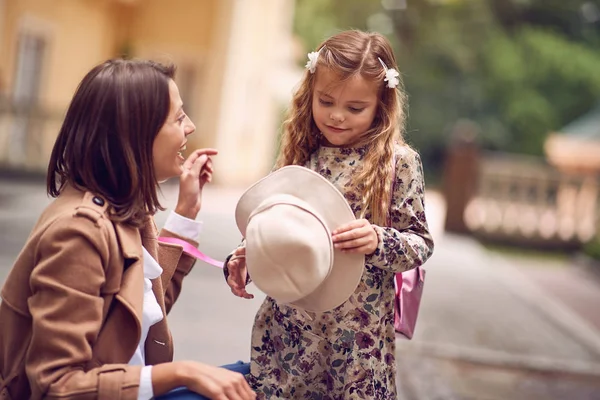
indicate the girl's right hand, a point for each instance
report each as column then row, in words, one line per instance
column 237, row 273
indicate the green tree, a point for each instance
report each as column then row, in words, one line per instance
column 519, row 69
column 538, row 81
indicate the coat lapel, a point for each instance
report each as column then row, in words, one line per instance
column 158, row 347
column 131, row 293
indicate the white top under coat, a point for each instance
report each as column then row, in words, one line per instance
column 151, row 312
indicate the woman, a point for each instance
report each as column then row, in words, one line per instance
column 83, row 312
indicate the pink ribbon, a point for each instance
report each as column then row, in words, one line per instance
column 191, row 250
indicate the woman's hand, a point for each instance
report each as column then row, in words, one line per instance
column 212, row 382
column 237, row 273
column 356, row 237
column 220, row 384
column 197, row 171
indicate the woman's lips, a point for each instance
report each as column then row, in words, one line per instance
column 181, row 150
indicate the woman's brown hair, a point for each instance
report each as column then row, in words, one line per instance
column 351, row 53
column 105, row 142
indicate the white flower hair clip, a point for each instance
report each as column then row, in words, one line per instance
column 391, row 75
column 311, row 64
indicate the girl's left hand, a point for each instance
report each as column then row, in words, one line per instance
column 356, row 237
column 197, row 171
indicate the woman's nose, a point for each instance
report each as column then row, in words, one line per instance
column 189, row 128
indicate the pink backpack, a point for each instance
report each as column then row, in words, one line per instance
column 409, row 289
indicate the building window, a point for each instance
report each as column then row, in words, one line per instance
column 26, row 93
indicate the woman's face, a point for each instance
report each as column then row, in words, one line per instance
column 171, row 140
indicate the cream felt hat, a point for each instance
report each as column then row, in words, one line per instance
column 287, row 218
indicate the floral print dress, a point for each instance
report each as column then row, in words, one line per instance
column 349, row 352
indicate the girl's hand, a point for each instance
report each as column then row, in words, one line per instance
column 197, row 171
column 237, row 273
column 356, row 237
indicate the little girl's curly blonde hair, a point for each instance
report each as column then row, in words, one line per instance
column 348, row 54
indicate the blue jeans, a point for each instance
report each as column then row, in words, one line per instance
column 184, row 393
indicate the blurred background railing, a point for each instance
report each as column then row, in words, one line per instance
column 519, row 199
column 523, row 200
column 25, row 141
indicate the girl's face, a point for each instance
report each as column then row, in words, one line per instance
column 170, row 141
column 343, row 111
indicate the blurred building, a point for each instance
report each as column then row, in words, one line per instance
column 576, row 147
column 234, row 58
column 529, row 201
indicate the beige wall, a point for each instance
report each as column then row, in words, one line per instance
column 249, row 111
column 78, row 34
column 2, row 49
column 183, row 32
column 229, row 53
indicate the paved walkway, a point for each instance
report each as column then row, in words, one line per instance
column 489, row 328
column 488, row 331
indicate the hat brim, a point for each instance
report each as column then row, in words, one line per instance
column 301, row 182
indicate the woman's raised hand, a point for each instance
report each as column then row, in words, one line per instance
column 197, row 171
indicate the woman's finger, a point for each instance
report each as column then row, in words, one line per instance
column 199, row 164
column 232, row 393
column 198, row 153
column 205, row 177
column 243, row 389
column 249, row 393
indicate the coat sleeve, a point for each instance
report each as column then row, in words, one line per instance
column 406, row 243
column 176, row 266
column 66, row 310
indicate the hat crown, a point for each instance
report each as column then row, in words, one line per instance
column 295, row 236
column 291, row 253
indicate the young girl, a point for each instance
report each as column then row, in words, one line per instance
column 346, row 123
column 84, row 308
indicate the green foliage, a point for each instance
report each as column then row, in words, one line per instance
column 538, row 81
column 592, row 249
column 315, row 20
column 519, row 69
